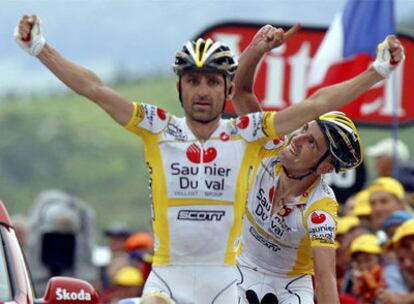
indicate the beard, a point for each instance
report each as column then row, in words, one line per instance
column 204, row 117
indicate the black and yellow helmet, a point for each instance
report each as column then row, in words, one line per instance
column 205, row 55
column 343, row 139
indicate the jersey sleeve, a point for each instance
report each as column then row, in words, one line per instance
column 255, row 126
column 320, row 221
column 147, row 118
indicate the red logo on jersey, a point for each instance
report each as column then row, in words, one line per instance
column 224, row 136
column 279, row 140
column 271, row 193
column 194, row 154
column 161, row 113
column 243, row 122
column 285, row 211
column 318, row 218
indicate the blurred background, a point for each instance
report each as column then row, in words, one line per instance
column 51, row 138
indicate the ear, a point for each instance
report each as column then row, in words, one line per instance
column 177, row 85
column 325, row 167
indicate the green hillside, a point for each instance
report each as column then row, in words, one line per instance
column 67, row 142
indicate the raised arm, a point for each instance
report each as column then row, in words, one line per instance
column 266, row 39
column 390, row 53
column 81, row 80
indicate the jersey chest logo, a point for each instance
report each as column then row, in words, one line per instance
column 194, row 154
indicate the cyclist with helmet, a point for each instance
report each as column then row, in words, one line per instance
column 199, row 165
column 289, row 226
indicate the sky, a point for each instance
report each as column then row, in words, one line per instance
column 138, row 36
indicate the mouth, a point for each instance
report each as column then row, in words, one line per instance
column 202, row 105
column 293, row 150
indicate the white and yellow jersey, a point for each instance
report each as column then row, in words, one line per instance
column 198, row 189
column 282, row 242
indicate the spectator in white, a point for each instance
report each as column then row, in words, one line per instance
column 61, row 238
column 383, row 154
column 389, row 152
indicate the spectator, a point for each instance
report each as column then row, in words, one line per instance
column 403, row 244
column 393, row 221
column 60, row 239
column 343, row 258
column 362, row 208
column 366, row 273
column 348, row 206
column 128, row 283
column 392, row 272
column 140, row 246
column 116, row 234
column 386, row 196
column 383, row 154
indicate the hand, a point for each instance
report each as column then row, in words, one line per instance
column 390, row 53
column 28, row 35
column 388, row 297
column 269, row 37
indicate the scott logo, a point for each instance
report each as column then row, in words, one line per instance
column 200, row 215
column 318, row 218
column 194, row 154
column 63, row 295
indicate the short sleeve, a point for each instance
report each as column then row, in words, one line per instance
column 255, row 126
column 320, row 222
column 147, row 117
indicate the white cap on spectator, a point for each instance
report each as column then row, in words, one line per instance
column 385, row 147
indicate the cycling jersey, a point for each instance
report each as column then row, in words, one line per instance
column 281, row 243
column 193, row 284
column 196, row 207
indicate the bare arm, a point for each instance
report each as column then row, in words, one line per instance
column 325, row 277
column 79, row 79
column 326, row 99
column 266, row 39
column 336, row 96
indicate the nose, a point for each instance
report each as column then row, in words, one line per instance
column 203, row 88
column 297, row 138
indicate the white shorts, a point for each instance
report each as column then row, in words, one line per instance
column 194, row 284
column 258, row 286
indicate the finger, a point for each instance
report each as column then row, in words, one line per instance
column 293, row 30
column 269, row 34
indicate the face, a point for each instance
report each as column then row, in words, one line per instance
column 365, row 261
column 405, row 254
column 116, row 243
column 383, row 204
column 203, row 95
column 383, row 165
column 306, row 146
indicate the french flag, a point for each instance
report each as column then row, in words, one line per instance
column 349, row 46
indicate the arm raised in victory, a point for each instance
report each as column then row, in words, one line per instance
column 28, row 36
column 390, row 54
